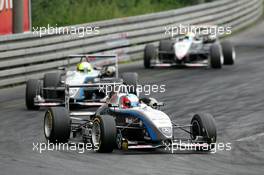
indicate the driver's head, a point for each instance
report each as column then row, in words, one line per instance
column 190, row 35
column 84, row 67
column 129, row 101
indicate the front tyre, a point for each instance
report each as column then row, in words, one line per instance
column 130, row 79
column 203, row 125
column 216, row 57
column 51, row 80
column 104, row 133
column 149, row 54
column 165, row 46
column 57, row 125
column 33, row 88
column 228, row 53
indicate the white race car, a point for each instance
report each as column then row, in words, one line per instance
column 95, row 70
column 190, row 50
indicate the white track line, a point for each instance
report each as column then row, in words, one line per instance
column 253, row 137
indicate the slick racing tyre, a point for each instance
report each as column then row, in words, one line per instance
column 51, row 80
column 57, row 125
column 130, row 79
column 104, row 134
column 216, row 57
column 33, row 88
column 203, row 126
column 149, row 54
column 228, row 53
column 165, row 46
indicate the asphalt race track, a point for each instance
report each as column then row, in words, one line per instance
column 234, row 95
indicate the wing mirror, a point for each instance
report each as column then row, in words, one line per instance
column 113, row 105
column 152, row 102
column 160, row 104
column 62, row 68
column 156, row 105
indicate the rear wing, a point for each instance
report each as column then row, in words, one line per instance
column 98, row 60
column 93, row 86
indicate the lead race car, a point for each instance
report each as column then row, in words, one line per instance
column 92, row 69
column 127, row 122
column 190, row 50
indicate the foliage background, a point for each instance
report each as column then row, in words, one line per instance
column 67, row 12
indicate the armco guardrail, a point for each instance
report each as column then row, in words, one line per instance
column 26, row 56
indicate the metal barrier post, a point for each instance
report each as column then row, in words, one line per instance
column 18, row 16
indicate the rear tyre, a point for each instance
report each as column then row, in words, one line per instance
column 104, row 134
column 57, row 125
column 149, row 54
column 228, row 53
column 130, row 79
column 33, row 88
column 166, row 46
column 51, row 80
column 216, row 57
column 203, row 125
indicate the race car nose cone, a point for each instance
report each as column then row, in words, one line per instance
column 167, row 131
column 179, row 56
column 181, row 49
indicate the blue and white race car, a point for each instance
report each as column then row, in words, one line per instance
column 127, row 122
column 91, row 69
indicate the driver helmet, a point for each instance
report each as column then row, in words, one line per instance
column 190, row 35
column 84, row 67
column 130, row 101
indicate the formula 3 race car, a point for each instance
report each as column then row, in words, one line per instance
column 126, row 122
column 96, row 70
column 191, row 50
